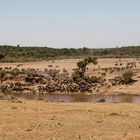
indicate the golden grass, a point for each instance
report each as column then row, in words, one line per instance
column 38, row 120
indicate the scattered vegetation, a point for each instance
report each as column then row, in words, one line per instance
column 128, row 77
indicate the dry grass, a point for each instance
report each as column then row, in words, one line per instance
column 38, row 120
column 69, row 64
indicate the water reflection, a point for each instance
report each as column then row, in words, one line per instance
column 79, row 98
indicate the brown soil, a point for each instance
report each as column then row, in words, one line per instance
column 38, row 120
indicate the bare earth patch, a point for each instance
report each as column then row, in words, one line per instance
column 38, row 120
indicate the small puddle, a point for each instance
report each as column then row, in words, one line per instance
column 79, row 98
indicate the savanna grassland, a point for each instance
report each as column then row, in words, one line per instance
column 47, row 71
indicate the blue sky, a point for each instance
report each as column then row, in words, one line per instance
column 70, row 23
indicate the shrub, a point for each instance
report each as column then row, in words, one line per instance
column 1, row 56
column 127, row 77
column 15, row 72
column 2, row 74
column 101, row 100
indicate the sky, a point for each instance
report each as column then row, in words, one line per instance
column 70, row 23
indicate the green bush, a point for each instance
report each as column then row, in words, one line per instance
column 80, row 71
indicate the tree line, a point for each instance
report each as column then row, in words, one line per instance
column 16, row 53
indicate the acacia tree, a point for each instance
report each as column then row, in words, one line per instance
column 80, row 71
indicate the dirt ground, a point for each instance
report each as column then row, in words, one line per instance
column 38, row 120
column 70, row 64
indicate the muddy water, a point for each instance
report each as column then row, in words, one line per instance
column 79, row 98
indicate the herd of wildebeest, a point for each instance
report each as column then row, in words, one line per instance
column 52, row 80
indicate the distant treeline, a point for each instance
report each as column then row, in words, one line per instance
column 17, row 53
